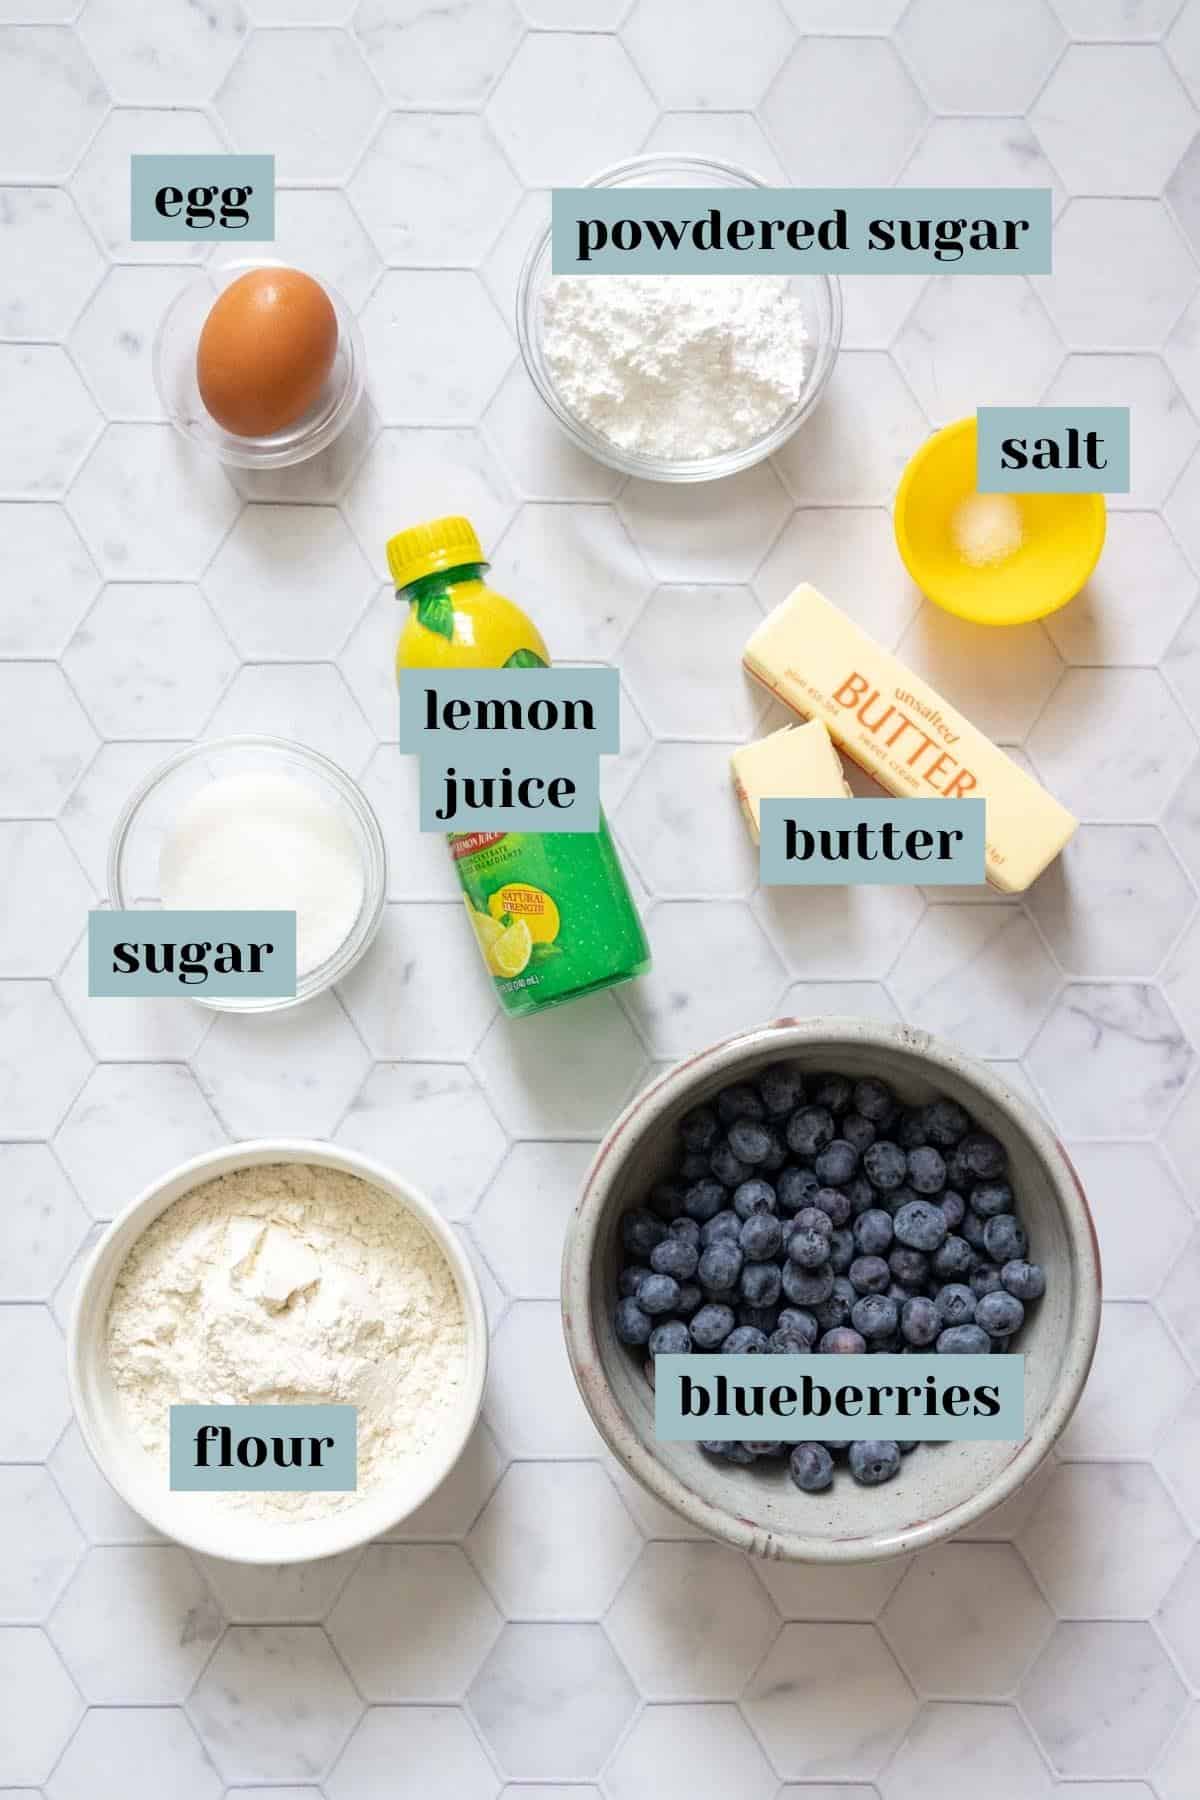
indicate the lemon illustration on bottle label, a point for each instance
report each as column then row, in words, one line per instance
column 520, row 900
column 509, row 953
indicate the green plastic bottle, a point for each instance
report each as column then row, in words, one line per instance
column 551, row 911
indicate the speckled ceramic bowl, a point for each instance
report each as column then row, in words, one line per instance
column 942, row 1487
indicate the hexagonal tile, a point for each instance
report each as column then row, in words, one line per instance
column 1123, row 19
column 283, row 1072
column 113, row 338
column 307, row 93
column 423, row 55
column 43, row 1061
column 1137, row 901
column 136, row 1624
column 131, row 1121
column 1176, row 1773
column 41, row 1706
column 528, row 1541
column 1164, row 424
column 51, row 580
column 1179, row 1619
column 972, row 341
column 966, row 1621
column 1122, row 275
column 1113, row 119
column 292, row 1593
column 682, row 1752
column 46, row 741
column 552, row 1700
column 49, row 421
column 44, row 900
column 683, row 662
column 683, row 823
column 1141, row 1216
column 289, row 582
column 1180, row 514
column 1181, row 980
column 419, row 864
column 433, row 1118
column 41, row 1544
column 567, row 106
column 1111, row 1059
column 451, row 1511
column 43, row 1222
column 51, row 101
column 1007, row 689
column 537, row 453
column 1002, row 1759
column 149, row 506
column 574, row 567
column 1144, row 1699
column 125, row 665
column 433, row 470
column 616, row 774
column 687, row 1000
column 725, row 59
column 832, row 932
column 735, row 137
column 1103, row 625
column 528, row 1355
column 810, row 107
column 410, row 1753
column 1179, row 1301
column 101, row 1512
column 829, row 1702
column 984, row 64
column 1181, row 664
column 1117, row 775
column 1077, row 1540
column 849, row 552
column 322, row 479
column 857, row 1591
column 840, row 999
column 90, row 810
column 998, row 152
column 1131, row 1336
column 856, row 444
column 436, row 346
column 100, row 184
column 691, row 1622
column 54, row 266
column 180, row 56
column 34, row 1410
column 976, row 973
column 522, row 1218
column 433, row 189
column 570, row 1078
column 308, row 701
column 423, row 951
column 450, row 1622
column 129, row 1030
column 152, row 1746
column 274, row 1703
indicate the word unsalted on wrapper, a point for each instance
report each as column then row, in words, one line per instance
column 838, row 1398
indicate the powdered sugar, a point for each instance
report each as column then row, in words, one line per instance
column 675, row 366
column 289, row 1284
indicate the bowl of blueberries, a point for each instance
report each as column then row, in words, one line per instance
column 832, row 1186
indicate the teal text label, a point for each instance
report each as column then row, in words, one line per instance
column 264, row 1449
column 1052, row 450
column 194, row 955
column 183, row 199
column 834, row 843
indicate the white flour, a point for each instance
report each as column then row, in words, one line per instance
column 290, row 1284
column 679, row 366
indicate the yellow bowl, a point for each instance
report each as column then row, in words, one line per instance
column 1063, row 535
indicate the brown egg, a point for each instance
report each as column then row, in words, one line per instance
column 265, row 351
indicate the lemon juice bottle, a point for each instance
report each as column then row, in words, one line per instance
column 551, row 911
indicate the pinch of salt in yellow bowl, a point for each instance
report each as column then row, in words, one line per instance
column 1062, row 537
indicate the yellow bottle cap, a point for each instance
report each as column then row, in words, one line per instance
column 424, row 549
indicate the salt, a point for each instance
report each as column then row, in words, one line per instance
column 987, row 529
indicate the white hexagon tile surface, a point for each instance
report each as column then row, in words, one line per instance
column 541, row 1629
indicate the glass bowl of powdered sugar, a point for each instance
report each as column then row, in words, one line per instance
column 677, row 377
column 257, row 824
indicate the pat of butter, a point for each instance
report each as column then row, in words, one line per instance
column 897, row 728
column 798, row 762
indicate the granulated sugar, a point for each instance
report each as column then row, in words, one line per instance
column 675, row 366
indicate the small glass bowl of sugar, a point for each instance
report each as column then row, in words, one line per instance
column 260, row 824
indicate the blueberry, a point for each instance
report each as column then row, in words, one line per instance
column 640, row 1231
column 909, row 1129
column 721, row 1225
column 926, row 1169
column 807, row 1287
column 858, row 1131
column 751, row 1141
column 873, row 1232
column 836, row 1163
column 809, row 1248
column 687, row 1229
column 885, row 1164
column 972, row 1229
column 739, row 1101
column 875, row 1316
column 720, row 1266
column 921, row 1225
column 991, row 1197
column 964, row 1340
column 834, row 1202
column 984, row 1280
column 761, row 1237
column 813, row 1218
column 667, row 1200
column 795, row 1188
column 842, row 1251
column 699, row 1129
column 798, row 1324
column 945, row 1122
column 753, row 1196
column 658, row 1293
column 689, row 1299
column 766, row 1446
column 919, row 1322
column 629, row 1280
column 746, row 1340
column 763, row 1318
column 842, row 1341
column 711, row 1325
column 837, row 1309
column 782, row 1088
column 984, row 1155
column 909, row 1267
column 870, row 1275
column 954, row 1259
column 734, row 1453
column 1004, row 1238
column 776, row 1156
column 633, row 1326
column 874, row 1461
column 1000, row 1314
column 809, row 1129
column 861, row 1195
column 760, row 1284
column 953, row 1206
column 832, row 1091
column 728, row 1168
column 1025, row 1280
column 705, row 1200
column 810, row 1467
column 874, row 1100
column 674, row 1256
column 955, row 1304
column 671, row 1339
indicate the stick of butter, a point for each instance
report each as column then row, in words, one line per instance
column 796, row 762
column 897, row 728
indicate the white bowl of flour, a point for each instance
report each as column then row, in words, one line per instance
column 273, row 1273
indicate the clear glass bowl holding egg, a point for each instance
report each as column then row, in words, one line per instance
column 199, row 355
